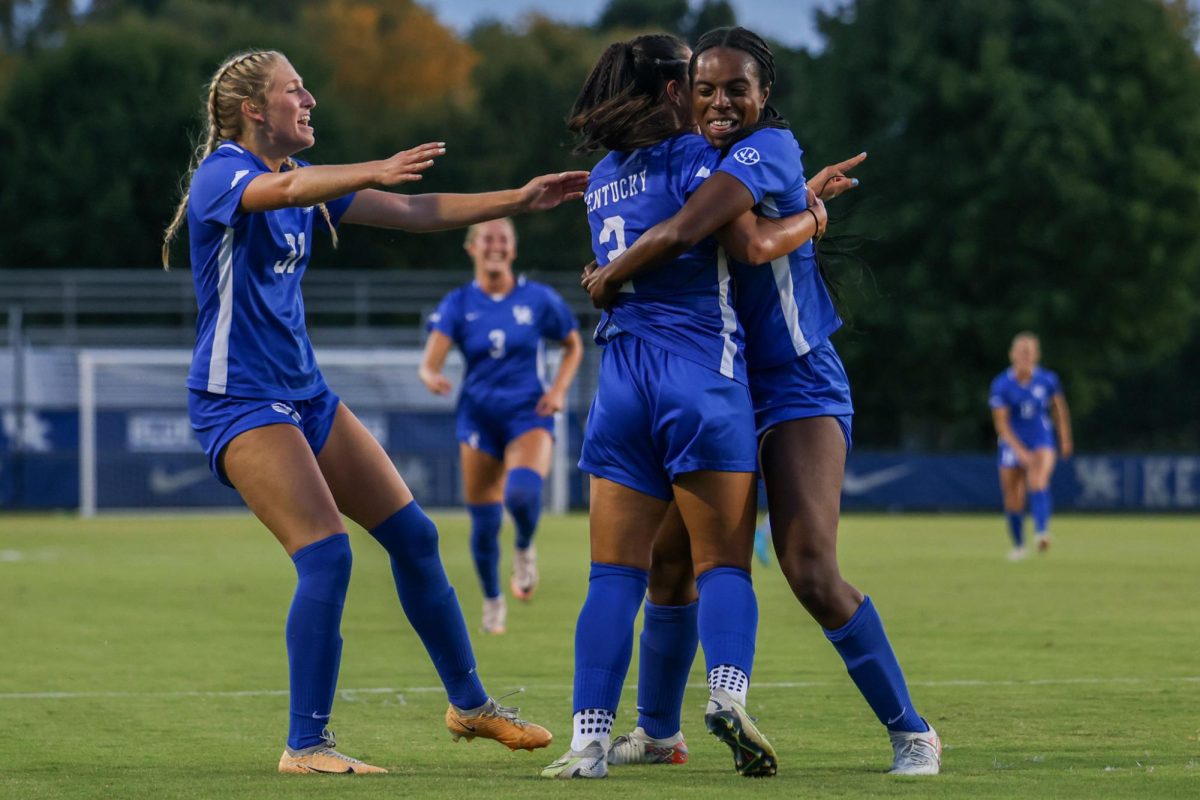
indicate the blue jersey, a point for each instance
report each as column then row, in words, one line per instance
column 784, row 306
column 1028, row 404
column 501, row 339
column 684, row 307
column 251, row 339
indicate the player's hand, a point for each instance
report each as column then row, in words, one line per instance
column 833, row 180
column 547, row 191
column 588, row 269
column 550, row 403
column 407, row 165
column 602, row 291
column 436, row 382
column 1024, row 458
column 818, row 208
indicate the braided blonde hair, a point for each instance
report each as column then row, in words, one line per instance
column 244, row 76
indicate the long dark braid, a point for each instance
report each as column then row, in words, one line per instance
column 620, row 105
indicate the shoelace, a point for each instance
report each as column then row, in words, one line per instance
column 507, row 712
column 919, row 750
column 329, row 740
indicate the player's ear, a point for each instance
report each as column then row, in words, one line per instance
column 251, row 111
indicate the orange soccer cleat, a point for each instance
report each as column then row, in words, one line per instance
column 322, row 758
column 497, row 722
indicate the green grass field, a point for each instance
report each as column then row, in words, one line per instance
column 142, row 657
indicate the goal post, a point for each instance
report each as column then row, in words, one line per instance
column 137, row 450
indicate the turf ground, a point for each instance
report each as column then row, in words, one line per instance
column 142, row 657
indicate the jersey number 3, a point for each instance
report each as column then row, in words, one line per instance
column 614, row 228
column 296, row 244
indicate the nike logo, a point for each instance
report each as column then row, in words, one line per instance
column 163, row 482
column 472, row 316
column 861, row 484
column 465, row 726
column 315, row 715
column 896, row 718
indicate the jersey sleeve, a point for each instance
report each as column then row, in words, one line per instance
column 766, row 162
column 698, row 160
column 557, row 320
column 217, row 188
column 1053, row 382
column 446, row 318
column 996, row 394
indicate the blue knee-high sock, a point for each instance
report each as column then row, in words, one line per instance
column 523, row 499
column 1016, row 526
column 485, row 545
column 429, row 601
column 1039, row 509
column 604, row 634
column 728, row 618
column 668, row 646
column 314, row 642
column 872, row 665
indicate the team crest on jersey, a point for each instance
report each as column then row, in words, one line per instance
column 747, row 155
column 1039, row 392
column 523, row 315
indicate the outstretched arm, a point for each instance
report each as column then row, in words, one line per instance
column 430, row 371
column 296, row 188
column 1062, row 422
column 435, row 212
column 555, row 397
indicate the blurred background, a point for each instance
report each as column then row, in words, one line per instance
column 1034, row 165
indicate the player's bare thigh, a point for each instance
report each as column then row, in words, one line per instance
column 718, row 509
column 1041, row 467
column 533, row 449
column 623, row 522
column 360, row 474
column 274, row 470
column 1012, row 487
column 483, row 476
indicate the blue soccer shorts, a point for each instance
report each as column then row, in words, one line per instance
column 657, row 415
column 218, row 419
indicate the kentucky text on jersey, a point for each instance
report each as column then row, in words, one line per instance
column 620, row 189
column 684, row 307
column 251, row 339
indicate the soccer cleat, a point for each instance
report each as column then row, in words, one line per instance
column 638, row 747
column 1017, row 554
column 525, row 573
column 1043, row 542
column 589, row 762
column 916, row 753
column 753, row 755
column 497, row 722
column 322, row 758
column 495, row 615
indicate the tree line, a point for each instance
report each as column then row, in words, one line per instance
column 1034, row 164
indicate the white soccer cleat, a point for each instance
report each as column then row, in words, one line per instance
column 525, row 573
column 726, row 719
column 916, row 753
column 495, row 615
column 590, row 762
column 1017, row 554
column 638, row 747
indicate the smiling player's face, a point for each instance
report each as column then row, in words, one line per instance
column 493, row 248
column 287, row 118
column 726, row 93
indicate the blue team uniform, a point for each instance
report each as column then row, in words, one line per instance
column 1028, row 410
column 502, row 342
column 794, row 370
column 672, row 395
column 253, row 363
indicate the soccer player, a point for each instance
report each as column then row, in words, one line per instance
column 506, row 409
column 802, row 410
column 272, row 428
column 671, row 420
column 1023, row 398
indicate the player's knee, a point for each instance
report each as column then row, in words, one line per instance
column 671, row 584
column 813, row 579
column 522, row 489
column 420, row 538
